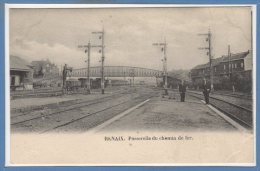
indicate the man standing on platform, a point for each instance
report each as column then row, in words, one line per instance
column 64, row 77
column 182, row 90
column 206, row 90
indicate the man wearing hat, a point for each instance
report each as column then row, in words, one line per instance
column 182, row 90
column 206, row 90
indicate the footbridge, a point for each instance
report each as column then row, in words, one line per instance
column 116, row 71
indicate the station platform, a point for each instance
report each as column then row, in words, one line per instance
column 164, row 114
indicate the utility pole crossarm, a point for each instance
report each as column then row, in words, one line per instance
column 203, row 34
column 82, row 46
column 203, row 48
column 93, row 46
column 97, row 32
column 159, row 44
column 99, row 46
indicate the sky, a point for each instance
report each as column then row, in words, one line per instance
column 55, row 34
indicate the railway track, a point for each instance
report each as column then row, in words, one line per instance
column 240, row 114
column 96, row 117
column 107, row 113
column 229, row 94
column 61, row 104
column 41, row 93
column 67, row 107
column 247, row 97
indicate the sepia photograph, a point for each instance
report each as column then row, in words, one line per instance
column 144, row 85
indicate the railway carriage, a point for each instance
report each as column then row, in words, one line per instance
column 73, row 84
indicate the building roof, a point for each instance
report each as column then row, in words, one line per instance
column 216, row 61
column 179, row 74
column 235, row 56
column 17, row 63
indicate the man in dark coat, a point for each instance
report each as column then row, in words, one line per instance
column 206, row 90
column 182, row 90
column 64, row 76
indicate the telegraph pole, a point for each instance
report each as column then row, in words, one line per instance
column 124, row 78
column 165, row 73
column 230, row 69
column 131, row 75
column 209, row 48
column 89, row 47
column 102, row 33
column 87, row 50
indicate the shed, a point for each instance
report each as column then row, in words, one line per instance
column 21, row 73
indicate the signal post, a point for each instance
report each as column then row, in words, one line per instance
column 165, row 73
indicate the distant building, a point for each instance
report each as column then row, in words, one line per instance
column 224, row 67
column 21, row 74
column 44, row 68
column 45, row 74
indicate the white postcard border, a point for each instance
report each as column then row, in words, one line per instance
column 69, row 6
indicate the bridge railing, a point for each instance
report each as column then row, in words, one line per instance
column 114, row 71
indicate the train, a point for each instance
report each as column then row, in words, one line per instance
column 76, row 84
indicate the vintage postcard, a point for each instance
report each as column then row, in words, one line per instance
column 130, row 85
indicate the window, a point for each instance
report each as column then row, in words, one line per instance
column 224, row 67
column 232, row 65
column 242, row 65
column 215, row 68
column 235, row 65
column 12, row 80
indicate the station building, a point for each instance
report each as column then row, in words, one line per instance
column 21, row 74
column 224, row 68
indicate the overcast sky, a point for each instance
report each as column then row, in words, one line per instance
column 55, row 34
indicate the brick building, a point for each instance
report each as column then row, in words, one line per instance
column 225, row 68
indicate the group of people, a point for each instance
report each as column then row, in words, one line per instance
column 206, row 90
